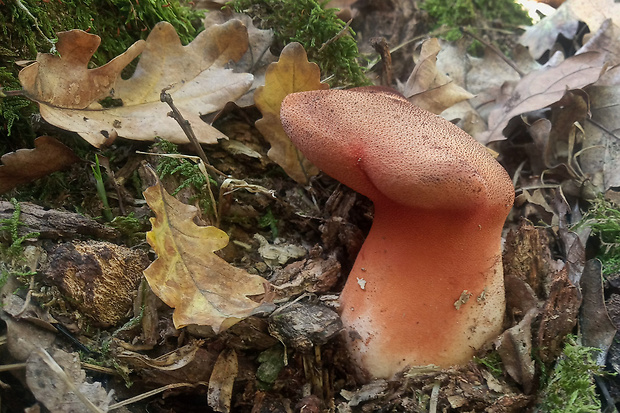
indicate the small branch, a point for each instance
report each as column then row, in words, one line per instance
column 187, row 129
column 382, row 47
column 495, row 50
column 189, row 132
column 341, row 33
column 7, row 93
column 36, row 24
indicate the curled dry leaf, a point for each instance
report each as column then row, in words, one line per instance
column 598, row 330
column 427, row 87
column 187, row 275
column 219, row 396
column 541, row 88
column 27, row 165
column 196, row 75
column 292, row 73
column 515, row 348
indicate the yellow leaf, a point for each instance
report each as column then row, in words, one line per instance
column 197, row 74
column 187, row 275
column 292, row 73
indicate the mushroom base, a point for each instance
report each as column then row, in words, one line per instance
column 426, row 289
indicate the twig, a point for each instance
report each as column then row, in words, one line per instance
column 495, row 50
column 432, row 408
column 7, row 93
column 154, row 392
column 382, row 47
column 341, row 33
column 187, row 129
column 36, row 24
column 15, row 366
column 189, row 132
column 51, row 363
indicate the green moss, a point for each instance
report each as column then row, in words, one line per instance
column 15, row 113
column 571, row 388
column 271, row 363
column 269, row 221
column 604, row 219
column 493, row 362
column 309, row 23
column 453, row 15
column 188, row 172
column 118, row 22
column 130, row 227
column 10, row 226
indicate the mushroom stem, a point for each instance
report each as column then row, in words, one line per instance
column 440, row 311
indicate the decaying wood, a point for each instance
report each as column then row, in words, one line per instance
column 55, row 224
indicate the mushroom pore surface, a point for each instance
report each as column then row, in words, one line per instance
column 427, row 285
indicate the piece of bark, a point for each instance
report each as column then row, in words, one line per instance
column 55, row 224
column 101, row 278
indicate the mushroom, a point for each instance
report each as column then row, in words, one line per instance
column 427, row 285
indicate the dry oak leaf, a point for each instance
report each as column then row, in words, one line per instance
column 257, row 58
column 26, row 165
column 196, row 75
column 429, row 88
column 543, row 35
column 543, row 87
column 291, row 73
column 65, row 81
column 187, row 275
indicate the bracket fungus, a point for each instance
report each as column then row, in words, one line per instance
column 427, row 286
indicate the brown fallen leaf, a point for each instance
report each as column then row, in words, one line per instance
column 543, row 35
column 292, row 73
column 196, row 75
column 543, row 87
column 602, row 158
column 60, row 384
column 27, row 165
column 597, row 328
column 256, row 59
column 219, row 396
column 515, row 349
column 606, row 40
column 202, row 287
column 65, row 80
column 429, row 88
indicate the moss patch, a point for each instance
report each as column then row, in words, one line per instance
column 309, row 23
